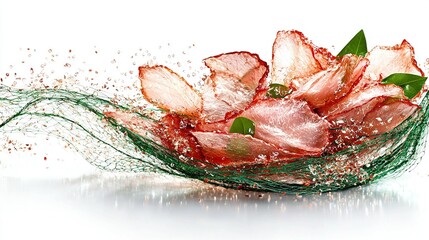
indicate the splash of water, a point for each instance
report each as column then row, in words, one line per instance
column 72, row 111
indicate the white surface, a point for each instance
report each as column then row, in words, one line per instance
column 67, row 199
column 106, row 206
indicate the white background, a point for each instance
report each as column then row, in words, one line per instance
column 71, row 200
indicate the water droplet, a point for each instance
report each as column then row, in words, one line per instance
column 390, row 120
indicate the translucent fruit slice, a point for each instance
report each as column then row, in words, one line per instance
column 234, row 82
column 295, row 58
column 286, row 123
column 167, row 90
column 236, row 149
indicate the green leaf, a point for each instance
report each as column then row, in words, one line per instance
column 356, row 46
column 243, row 125
column 412, row 84
column 278, row 91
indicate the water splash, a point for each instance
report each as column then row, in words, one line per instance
column 66, row 97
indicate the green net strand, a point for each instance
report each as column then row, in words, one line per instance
column 78, row 120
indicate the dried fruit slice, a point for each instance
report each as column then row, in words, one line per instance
column 356, row 99
column 356, row 114
column 387, row 115
column 333, row 83
column 295, row 58
column 346, row 127
column 375, row 117
column 171, row 131
column 236, row 149
column 233, row 84
column 167, row 90
column 387, row 60
column 175, row 133
column 323, row 56
column 245, row 66
column 287, row 123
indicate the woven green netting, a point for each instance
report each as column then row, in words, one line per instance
column 78, row 119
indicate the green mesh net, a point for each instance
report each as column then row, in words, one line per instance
column 78, row 120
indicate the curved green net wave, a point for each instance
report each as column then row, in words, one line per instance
column 78, row 119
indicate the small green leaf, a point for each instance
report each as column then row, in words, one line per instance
column 278, row 91
column 412, row 84
column 243, row 125
column 356, row 46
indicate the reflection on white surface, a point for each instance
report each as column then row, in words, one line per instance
column 134, row 206
column 66, row 198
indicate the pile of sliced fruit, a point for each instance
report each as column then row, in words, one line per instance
column 311, row 103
